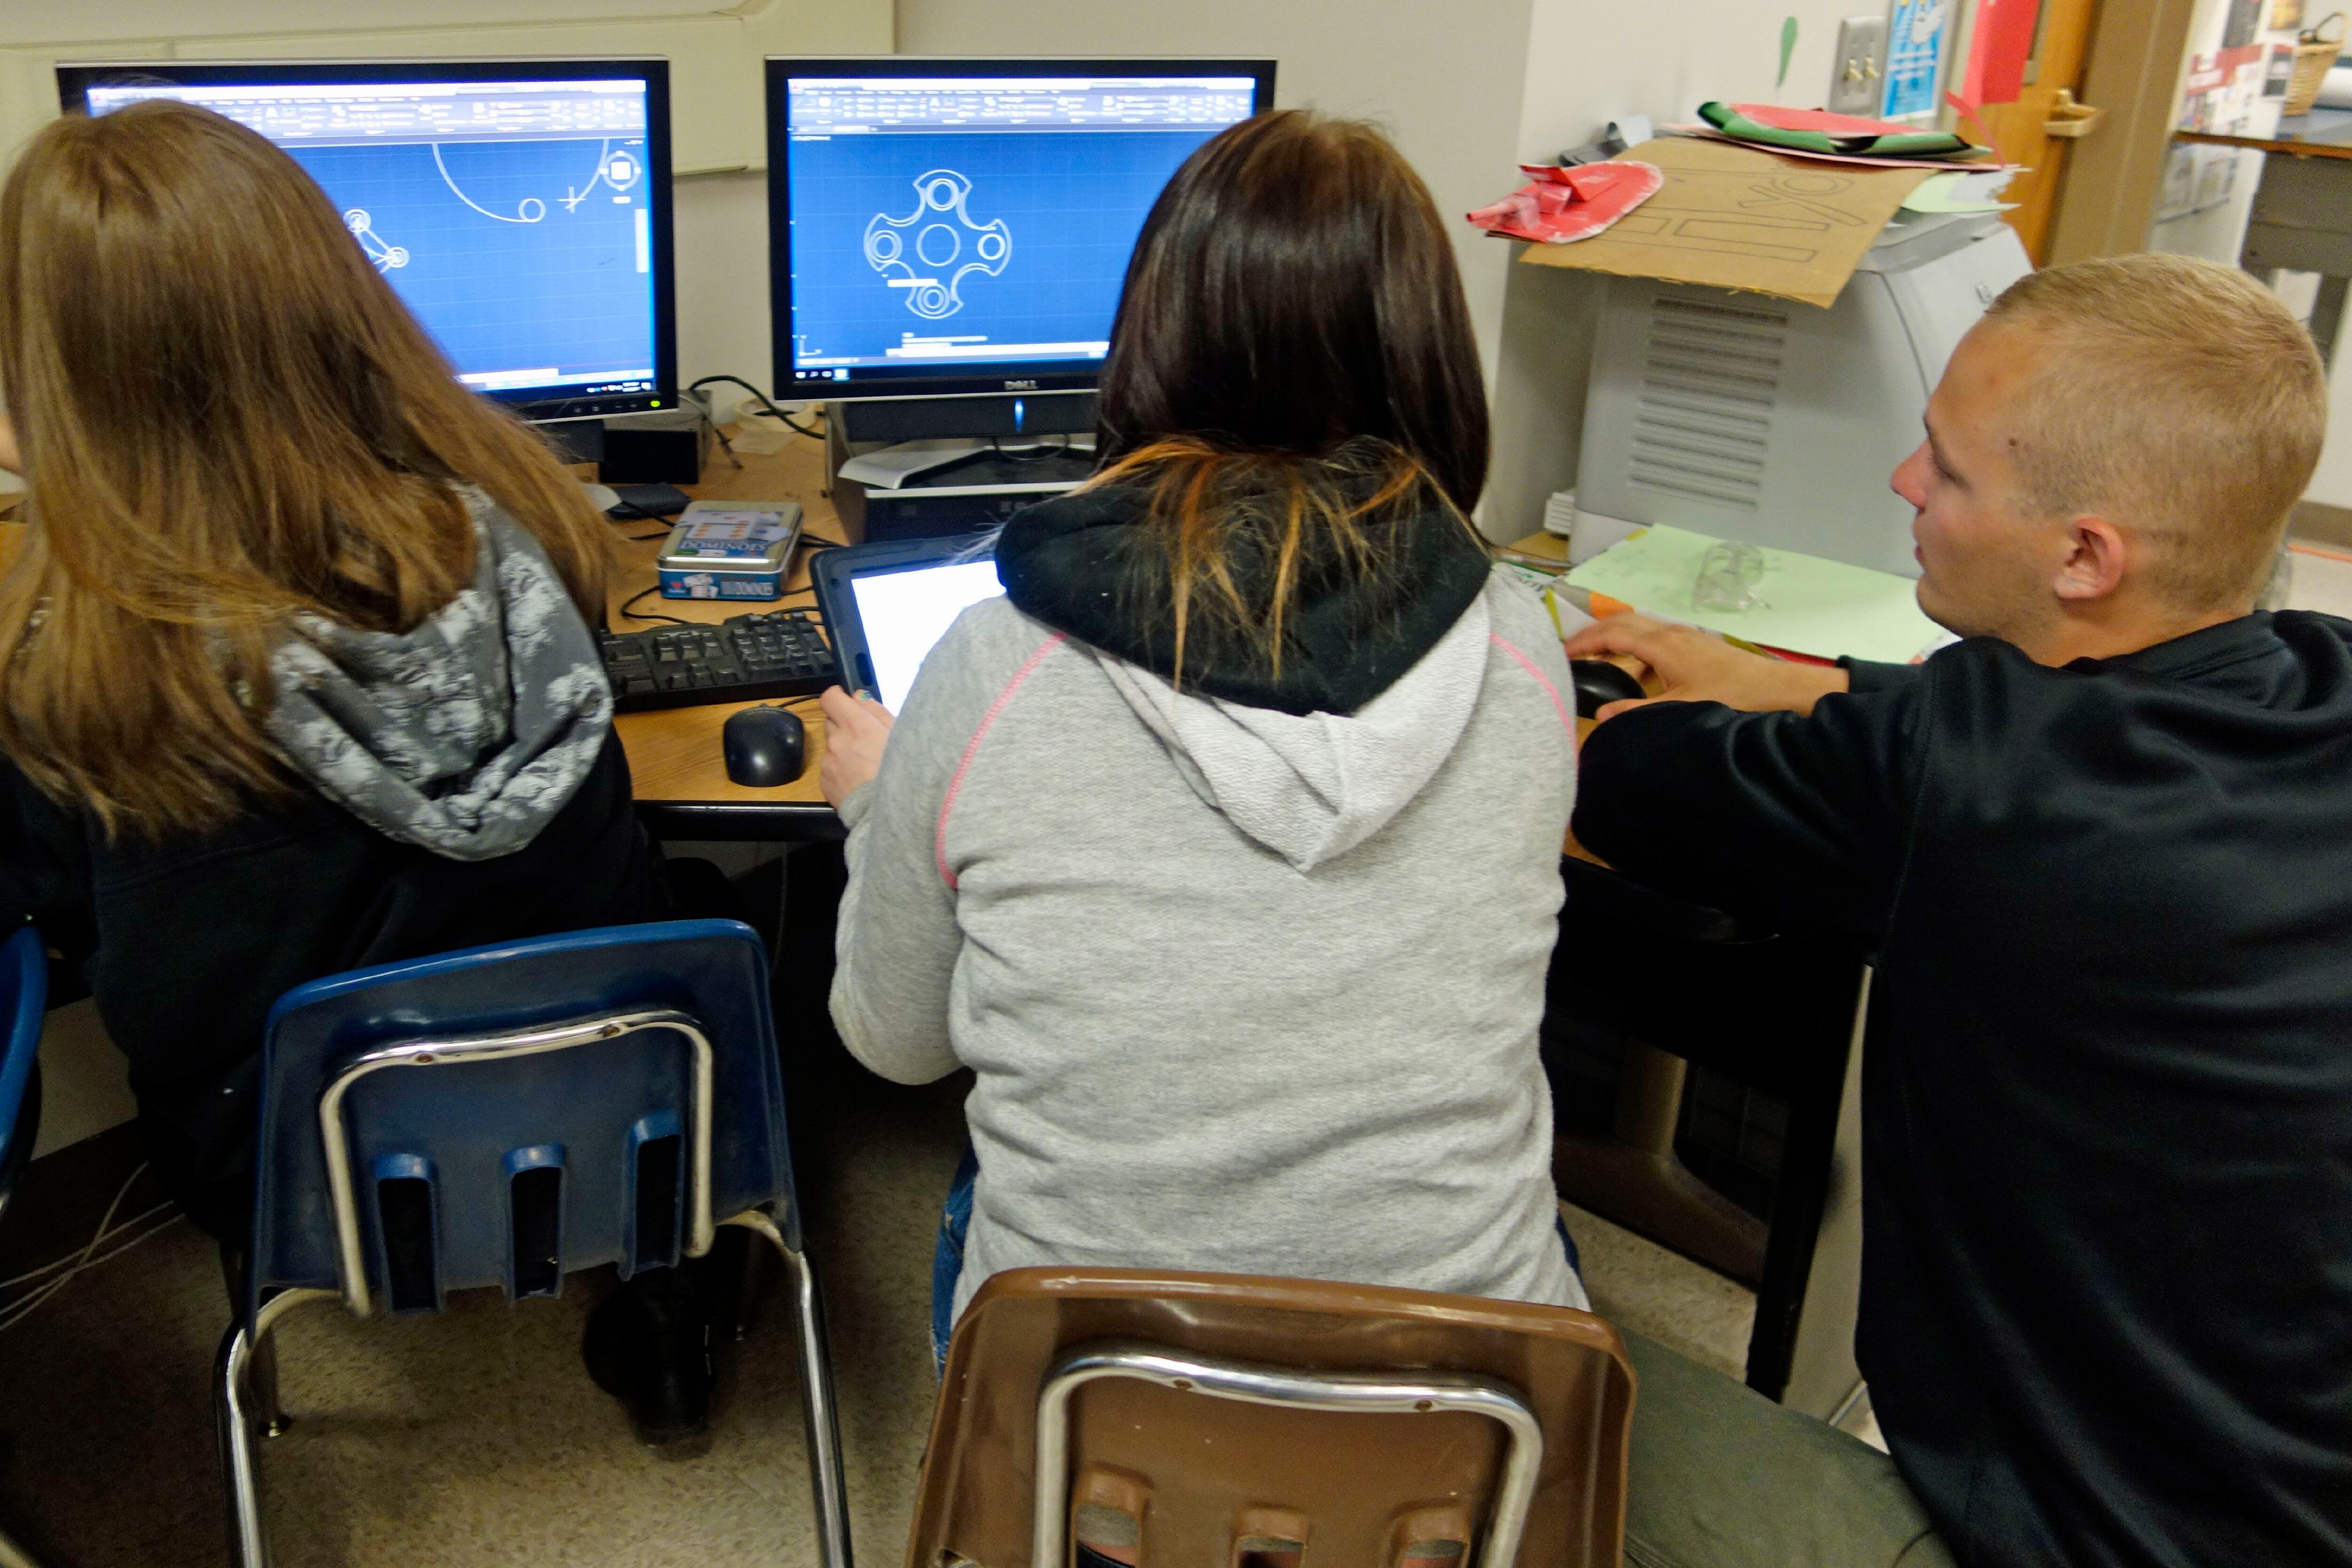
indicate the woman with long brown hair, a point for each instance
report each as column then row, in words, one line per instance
column 1222, row 848
column 296, row 673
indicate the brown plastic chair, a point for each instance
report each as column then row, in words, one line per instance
column 1228, row 1421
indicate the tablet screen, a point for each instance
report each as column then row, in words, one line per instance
column 904, row 612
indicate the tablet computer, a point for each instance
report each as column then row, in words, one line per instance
column 885, row 605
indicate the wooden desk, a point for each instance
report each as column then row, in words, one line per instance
column 1667, row 984
column 682, row 787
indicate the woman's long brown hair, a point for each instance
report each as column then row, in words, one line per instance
column 226, row 418
column 1291, row 366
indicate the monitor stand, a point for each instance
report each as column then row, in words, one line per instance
column 574, row 440
column 953, row 465
column 942, row 459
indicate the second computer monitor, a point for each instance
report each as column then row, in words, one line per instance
column 957, row 227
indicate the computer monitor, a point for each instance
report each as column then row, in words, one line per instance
column 963, row 225
column 520, row 208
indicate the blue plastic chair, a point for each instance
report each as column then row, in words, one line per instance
column 24, row 1002
column 506, row 1116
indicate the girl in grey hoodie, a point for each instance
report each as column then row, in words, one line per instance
column 1223, row 848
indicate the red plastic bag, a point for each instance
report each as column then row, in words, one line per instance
column 1565, row 205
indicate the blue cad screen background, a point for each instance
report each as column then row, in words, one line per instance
column 498, row 294
column 1073, row 202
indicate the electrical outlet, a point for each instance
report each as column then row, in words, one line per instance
column 1857, row 73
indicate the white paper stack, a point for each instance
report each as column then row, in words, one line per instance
column 1560, row 513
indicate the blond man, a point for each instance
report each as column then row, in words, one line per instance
column 2102, row 852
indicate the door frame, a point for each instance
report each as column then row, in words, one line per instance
column 2132, row 71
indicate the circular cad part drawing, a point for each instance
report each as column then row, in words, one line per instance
column 530, row 210
column 928, row 257
column 385, row 256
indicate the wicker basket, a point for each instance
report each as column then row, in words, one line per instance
column 2315, row 57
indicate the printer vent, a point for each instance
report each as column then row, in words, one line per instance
column 1710, row 376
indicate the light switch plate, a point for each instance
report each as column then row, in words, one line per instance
column 1858, row 73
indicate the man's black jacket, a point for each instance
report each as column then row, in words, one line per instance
column 2106, row 1310
column 186, row 945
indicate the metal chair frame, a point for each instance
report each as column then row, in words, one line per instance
column 246, row 1368
column 1254, row 1383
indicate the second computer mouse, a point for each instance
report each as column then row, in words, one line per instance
column 765, row 746
column 1599, row 683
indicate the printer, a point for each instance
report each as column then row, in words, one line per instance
column 1755, row 418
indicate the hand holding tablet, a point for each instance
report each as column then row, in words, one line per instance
column 884, row 606
column 855, row 731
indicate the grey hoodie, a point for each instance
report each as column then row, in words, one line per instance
column 1244, row 991
column 466, row 734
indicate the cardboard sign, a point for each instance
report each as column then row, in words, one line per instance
column 1734, row 217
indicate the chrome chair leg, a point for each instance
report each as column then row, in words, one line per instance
column 744, row 1310
column 234, row 1408
column 823, row 1420
column 261, row 1375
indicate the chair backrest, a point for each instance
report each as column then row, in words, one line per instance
column 23, row 1000
column 510, row 1114
column 1186, row 1434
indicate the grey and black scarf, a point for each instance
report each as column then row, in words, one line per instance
column 465, row 735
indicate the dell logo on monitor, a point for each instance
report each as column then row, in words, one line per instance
column 1019, row 386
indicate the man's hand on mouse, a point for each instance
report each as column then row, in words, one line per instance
column 855, row 731
column 1691, row 667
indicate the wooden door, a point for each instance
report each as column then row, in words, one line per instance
column 2061, row 33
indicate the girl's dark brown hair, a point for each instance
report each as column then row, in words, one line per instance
column 227, row 419
column 1291, row 363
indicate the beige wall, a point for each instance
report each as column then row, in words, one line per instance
column 2331, row 485
column 1587, row 64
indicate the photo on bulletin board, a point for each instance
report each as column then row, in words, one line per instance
column 2245, row 21
column 1915, row 57
column 2279, row 71
column 2286, row 14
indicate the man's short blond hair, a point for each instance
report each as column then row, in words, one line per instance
column 2177, row 398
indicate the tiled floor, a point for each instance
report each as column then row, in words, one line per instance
column 475, row 1439
column 2323, row 579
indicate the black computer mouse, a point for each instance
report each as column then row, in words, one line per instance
column 765, row 746
column 1598, row 683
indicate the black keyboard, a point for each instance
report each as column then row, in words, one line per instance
column 777, row 653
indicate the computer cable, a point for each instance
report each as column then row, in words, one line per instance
column 16, row 1311
column 630, row 614
column 766, row 404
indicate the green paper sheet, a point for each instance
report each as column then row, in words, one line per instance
column 1942, row 193
column 1825, row 608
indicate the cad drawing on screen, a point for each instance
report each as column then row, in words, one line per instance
column 383, row 252
column 914, row 252
column 618, row 170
